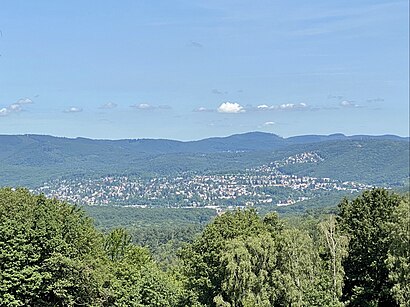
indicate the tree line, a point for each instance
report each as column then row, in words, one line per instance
column 51, row 254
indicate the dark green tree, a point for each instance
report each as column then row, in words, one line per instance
column 50, row 253
column 365, row 221
column 116, row 244
column 398, row 260
column 137, row 279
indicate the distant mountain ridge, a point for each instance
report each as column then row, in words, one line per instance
column 30, row 160
column 251, row 141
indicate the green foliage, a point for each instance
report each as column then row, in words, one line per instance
column 250, row 274
column 31, row 160
column 162, row 230
column 243, row 260
column 398, row 261
column 138, row 281
column 202, row 258
column 50, row 253
column 364, row 160
column 297, row 264
column 334, row 248
column 365, row 221
column 116, row 244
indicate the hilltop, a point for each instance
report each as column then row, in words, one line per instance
column 30, row 160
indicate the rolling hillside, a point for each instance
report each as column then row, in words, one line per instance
column 30, row 160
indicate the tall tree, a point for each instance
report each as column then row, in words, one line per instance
column 203, row 263
column 365, row 221
column 251, row 277
column 334, row 251
column 398, row 260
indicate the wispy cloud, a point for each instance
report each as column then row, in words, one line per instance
column 24, row 101
column 319, row 22
column 3, row 112
column 285, row 106
column 235, row 108
column 149, row 107
column 292, row 106
column 203, row 109
column 108, row 106
column 267, row 124
column 230, row 107
column 195, row 44
column 219, row 92
column 348, row 104
column 338, row 97
column 142, row 106
column 164, row 107
column 375, row 100
column 73, row 110
column 15, row 107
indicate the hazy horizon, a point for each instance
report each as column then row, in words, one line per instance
column 208, row 137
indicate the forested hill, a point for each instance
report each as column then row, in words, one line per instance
column 33, row 145
column 30, row 160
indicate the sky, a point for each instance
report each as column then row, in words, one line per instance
column 188, row 69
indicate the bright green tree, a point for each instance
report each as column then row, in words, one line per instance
column 303, row 277
column 203, row 259
column 251, row 277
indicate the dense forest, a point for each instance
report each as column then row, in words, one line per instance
column 31, row 160
column 53, row 254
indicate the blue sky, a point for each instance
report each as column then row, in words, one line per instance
column 193, row 69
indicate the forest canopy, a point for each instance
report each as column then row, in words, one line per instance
column 51, row 254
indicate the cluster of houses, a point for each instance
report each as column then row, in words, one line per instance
column 265, row 184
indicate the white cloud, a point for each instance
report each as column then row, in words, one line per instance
column 15, row 107
column 143, row 106
column 292, row 106
column 24, row 101
column 285, row 106
column 203, row 109
column 149, row 107
column 269, row 124
column 108, row 105
column 230, row 107
column 73, row 110
column 4, row 112
column 348, row 104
